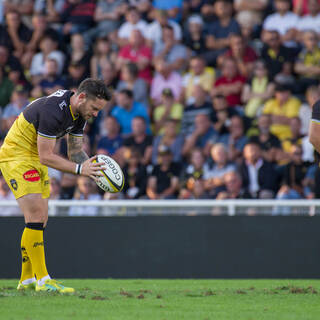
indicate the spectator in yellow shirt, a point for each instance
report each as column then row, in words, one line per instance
column 282, row 108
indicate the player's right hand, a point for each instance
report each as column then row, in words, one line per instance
column 92, row 169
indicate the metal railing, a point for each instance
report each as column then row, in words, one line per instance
column 174, row 207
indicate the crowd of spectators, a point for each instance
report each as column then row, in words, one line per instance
column 212, row 98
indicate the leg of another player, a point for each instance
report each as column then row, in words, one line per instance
column 35, row 210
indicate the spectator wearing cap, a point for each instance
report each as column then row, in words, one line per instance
column 259, row 176
column 139, row 139
column 133, row 21
column 154, row 31
column 230, row 83
column 175, row 54
column 19, row 100
column 6, row 89
column 275, row 55
column 165, row 78
column 136, row 52
column 201, row 105
column 282, row 108
column 284, row 21
column 243, row 55
column 129, row 80
column 218, row 32
column 310, row 21
column 163, row 181
column 194, row 36
column 171, row 139
column 127, row 109
column 167, row 110
column 199, row 74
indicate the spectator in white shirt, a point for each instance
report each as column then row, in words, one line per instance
column 310, row 21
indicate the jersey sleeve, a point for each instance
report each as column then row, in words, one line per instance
column 78, row 129
column 48, row 123
column 316, row 112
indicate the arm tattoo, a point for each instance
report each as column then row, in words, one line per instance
column 75, row 152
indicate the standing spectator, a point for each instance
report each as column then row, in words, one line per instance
column 230, row 83
column 130, row 81
column 137, row 52
column 218, row 39
column 165, row 78
column 198, row 74
column 175, row 54
column 199, row 106
column 163, row 182
column 135, row 175
column 127, row 109
column 133, row 21
column 284, row 21
column 139, row 139
column 168, row 110
column 257, row 90
column 282, row 108
column 169, row 138
column 259, row 176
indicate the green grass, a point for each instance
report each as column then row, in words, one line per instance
column 166, row 299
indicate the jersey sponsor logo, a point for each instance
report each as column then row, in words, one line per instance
column 58, row 93
column 14, row 184
column 31, row 175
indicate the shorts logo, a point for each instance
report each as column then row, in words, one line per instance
column 31, row 175
column 14, row 184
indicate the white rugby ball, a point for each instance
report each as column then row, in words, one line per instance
column 112, row 179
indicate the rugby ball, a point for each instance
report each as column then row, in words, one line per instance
column 112, row 179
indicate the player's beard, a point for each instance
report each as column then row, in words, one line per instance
column 82, row 111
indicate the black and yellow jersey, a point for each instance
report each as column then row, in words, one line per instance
column 50, row 117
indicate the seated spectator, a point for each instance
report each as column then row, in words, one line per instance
column 243, row 55
column 77, row 16
column 163, row 182
column 310, row 21
column 218, row 31
column 165, row 78
column 259, row 177
column 129, row 80
column 199, row 106
column 214, row 175
column 307, row 65
column 109, row 74
column 6, row 194
column 136, row 52
column 175, row 54
column 282, row 108
column 135, row 175
column 19, row 100
column 133, row 21
column 312, row 96
column 169, row 138
column 102, row 53
column 194, row 36
column 233, row 187
column 55, row 189
column 48, row 49
column 86, row 190
column 167, row 110
column 6, row 88
column 275, row 55
column 230, row 83
column 154, row 31
column 283, row 21
column 196, row 191
column 76, row 74
column 110, row 143
column 139, row 139
column 203, row 132
column 50, row 82
column 270, row 145
column 14, row 34
column 257, row 90
column 127, row 109
column 198, row 74
column 23, row 7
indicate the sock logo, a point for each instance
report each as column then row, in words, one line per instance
column 14, row 184
column 37, row 244
column 31, row 175
column 25, row 259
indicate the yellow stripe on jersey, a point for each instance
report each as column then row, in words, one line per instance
column 73, row 116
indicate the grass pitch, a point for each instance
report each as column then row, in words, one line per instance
column 166, row 299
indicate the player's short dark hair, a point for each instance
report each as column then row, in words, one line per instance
column 94, row 89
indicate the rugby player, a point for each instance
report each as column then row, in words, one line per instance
column 26, row 154
column 314, row 128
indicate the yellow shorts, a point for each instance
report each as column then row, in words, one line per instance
column 24, row 177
